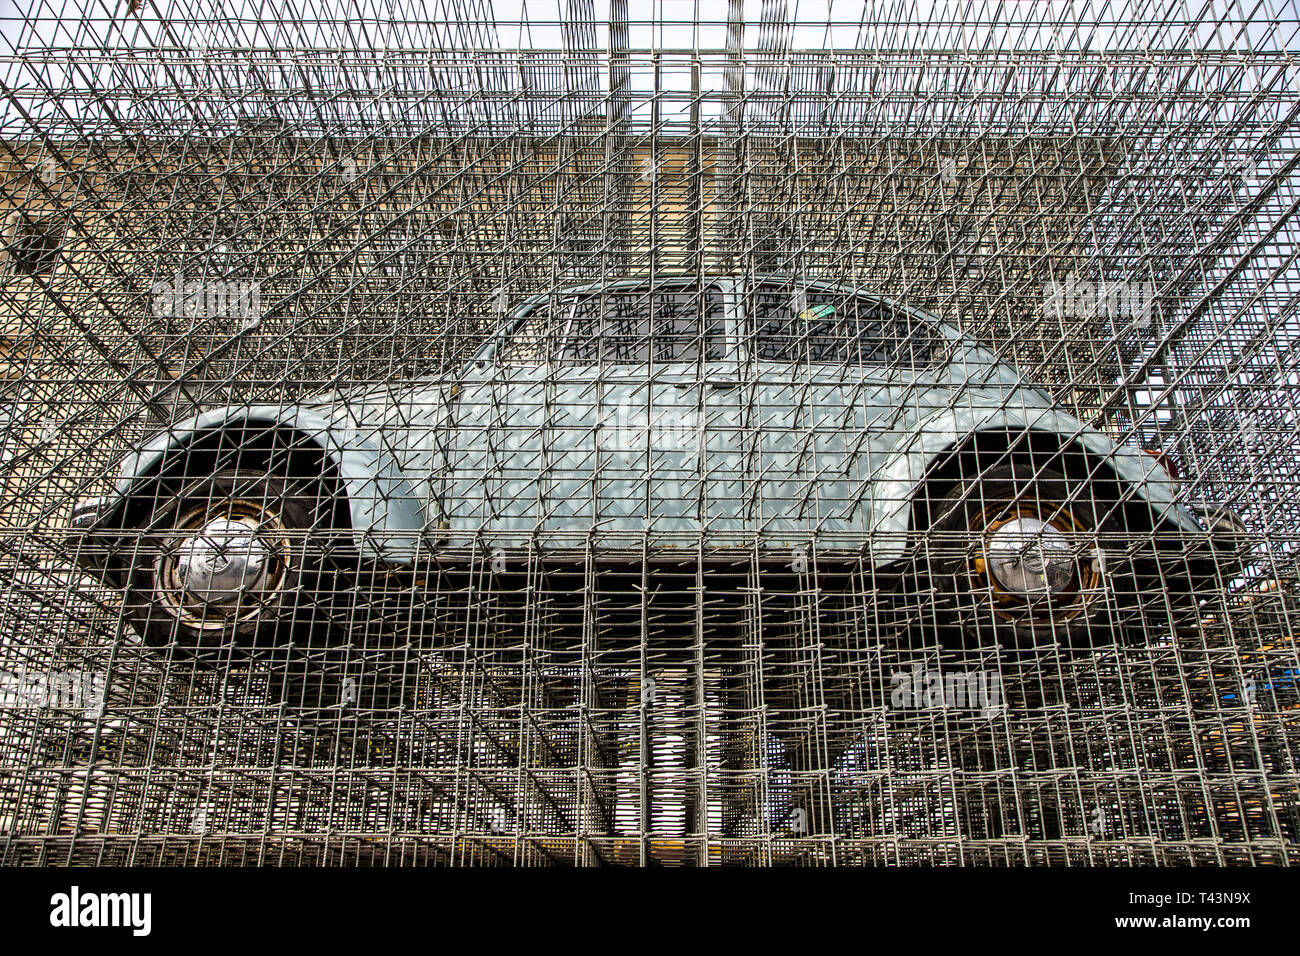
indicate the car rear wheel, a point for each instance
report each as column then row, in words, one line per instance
column 1022, row 557
column 229, row 560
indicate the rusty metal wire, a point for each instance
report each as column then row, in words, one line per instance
column 700, row 564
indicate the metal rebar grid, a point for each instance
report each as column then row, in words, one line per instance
column 610, row 444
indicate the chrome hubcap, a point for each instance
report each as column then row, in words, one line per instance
column 223, row 567
column 1030, row 558
column 224, row 561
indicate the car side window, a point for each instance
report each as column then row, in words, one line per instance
column 621, row 327
column 636, row 327
column 539, row 337
column 837, row 328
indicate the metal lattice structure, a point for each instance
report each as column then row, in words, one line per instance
column 710, row 560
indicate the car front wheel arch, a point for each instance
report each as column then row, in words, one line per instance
column 272, row 448
column 252, row 502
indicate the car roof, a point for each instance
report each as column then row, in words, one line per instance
column 723, row 280
column 515, row 318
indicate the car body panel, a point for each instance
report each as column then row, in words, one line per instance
column 388, row 517
column 731, row 452
column 927, row 443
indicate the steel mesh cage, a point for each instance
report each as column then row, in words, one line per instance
column 575, row 434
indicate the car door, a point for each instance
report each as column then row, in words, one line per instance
column 589, row 423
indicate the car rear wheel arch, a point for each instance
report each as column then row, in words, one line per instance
column 1124, row 519
column 984, row 450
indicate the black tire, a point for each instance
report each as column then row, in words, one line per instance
column 1020, row 558
column 266, row 524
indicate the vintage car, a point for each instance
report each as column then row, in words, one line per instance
column 797, row 423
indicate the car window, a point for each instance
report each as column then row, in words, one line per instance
column 535, row 340
column 631, row 326
column 836, row 328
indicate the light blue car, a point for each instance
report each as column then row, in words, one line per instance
column 790, row 424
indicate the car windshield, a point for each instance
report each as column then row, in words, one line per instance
column 624, row 326
column 829, row 327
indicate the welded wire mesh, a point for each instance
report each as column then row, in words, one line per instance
column 748, row 433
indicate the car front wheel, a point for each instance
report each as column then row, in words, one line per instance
column 228, row 559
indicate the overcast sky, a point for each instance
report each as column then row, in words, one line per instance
column 658, row 24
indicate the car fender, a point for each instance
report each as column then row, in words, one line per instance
column 930, row 438
column 386, row 515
